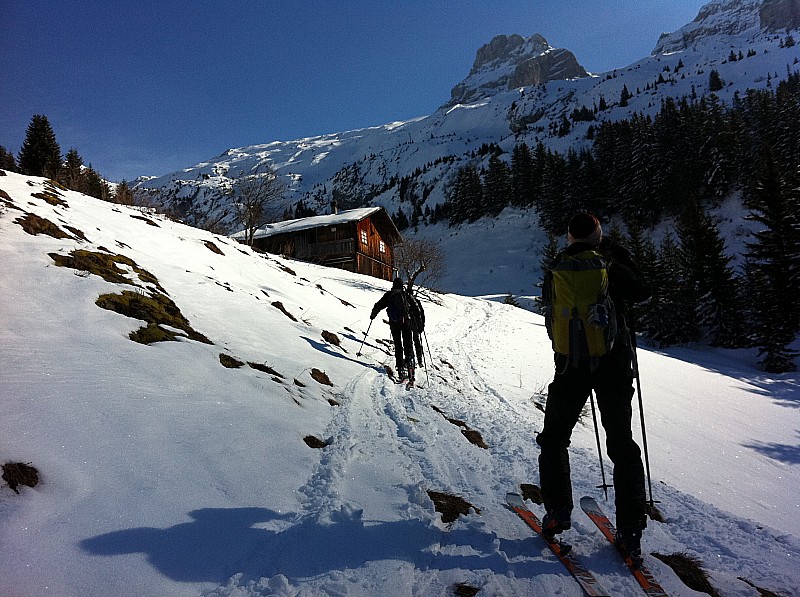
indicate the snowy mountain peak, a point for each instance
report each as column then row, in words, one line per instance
column 730, row 18
column 511, row 61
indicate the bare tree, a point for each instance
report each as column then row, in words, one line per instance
column 257, row 199
column 420, row 257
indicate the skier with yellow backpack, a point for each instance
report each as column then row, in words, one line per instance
column 586, row 292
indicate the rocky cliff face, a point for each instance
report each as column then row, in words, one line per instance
column 732, row 17
column 777, row 15
column 511, row 61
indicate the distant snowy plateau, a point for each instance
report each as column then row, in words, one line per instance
column 516, row 89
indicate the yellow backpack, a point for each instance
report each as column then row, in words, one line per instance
column 579, row 314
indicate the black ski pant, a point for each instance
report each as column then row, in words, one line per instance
column 612, row 382
column 403, row 345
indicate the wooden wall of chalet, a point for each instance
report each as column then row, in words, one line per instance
column 341, row 246
column 374, row 258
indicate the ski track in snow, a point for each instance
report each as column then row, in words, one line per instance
column 492, row 549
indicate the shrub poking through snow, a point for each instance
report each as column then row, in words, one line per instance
column 473, row 436
column 321, row 377
column 19, row 473
column 107, row 266
column 213, row 248
column 314, row 442
column 331, row 338
column 51, row 197
column 532, row 492
column 34, row 225
column 450, row 506
column 464, row 590
column 265, row 369
column 229, row 362
column 157, row 310
column 279, row 306
column 688, row 569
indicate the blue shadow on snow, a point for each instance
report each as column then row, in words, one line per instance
column 221, row 542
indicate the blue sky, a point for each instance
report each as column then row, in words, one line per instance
column 147, row 87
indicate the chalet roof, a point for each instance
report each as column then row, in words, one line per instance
column 343, row 217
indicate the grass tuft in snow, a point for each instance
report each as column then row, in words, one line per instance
column 464, row 590
column 689, row 570
column 265, row 369
column 51, row 198
column 19, row 473
column 107, row 266
column 34, row 225
column 761, row 592
column 321, row 377
column 331, row 338
column 532, row 492
column 156, row 309
column 450, row 506
column 213, row 248
column 279, row 306
column 314, row 442
column 472, row 435
column 229, row 362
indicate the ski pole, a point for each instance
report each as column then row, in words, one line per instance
column 430, row 356
column 605, row 485
column 635, row 363
column 358, row 354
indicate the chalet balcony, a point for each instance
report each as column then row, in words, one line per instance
column 314, row 251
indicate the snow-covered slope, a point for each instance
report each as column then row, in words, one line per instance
column 164, row 472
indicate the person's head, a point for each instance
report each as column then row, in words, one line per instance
column 397, row 284
column 584, row 228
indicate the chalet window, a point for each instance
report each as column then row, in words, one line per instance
column 364, row 239
column 382, row 247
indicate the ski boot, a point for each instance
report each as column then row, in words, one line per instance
column 555, row 522
column 629, row 543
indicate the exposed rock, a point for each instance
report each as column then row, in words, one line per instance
column 732, row 17
column 511, row 61
column 777, row 15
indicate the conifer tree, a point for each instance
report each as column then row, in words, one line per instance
column 94, row 185
column 715, row 82
column 522, row 191
column 123, row 194
column 664, row 318
column 549, row 254
column 466, row 196
column 7, row 161
column 773, row 267
column 72, row 172
column 709, row 282
column 496, row 186
column 40, row 154
column 645, row 256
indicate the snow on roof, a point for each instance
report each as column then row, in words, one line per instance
column 343, row 217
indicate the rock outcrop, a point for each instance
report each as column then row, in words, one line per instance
column 777, row 15
column 732, row 17
column 511, row 61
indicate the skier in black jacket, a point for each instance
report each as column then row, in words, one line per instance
column 612, row 381
column 397, row 305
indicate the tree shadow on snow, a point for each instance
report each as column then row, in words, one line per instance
column 258, row 542
column 785, row 453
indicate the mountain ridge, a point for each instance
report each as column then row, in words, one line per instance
column 409, row 165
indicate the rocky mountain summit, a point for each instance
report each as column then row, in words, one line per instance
column 731, row 18
column 512, row 61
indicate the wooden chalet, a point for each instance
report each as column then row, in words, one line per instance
column 357, row 240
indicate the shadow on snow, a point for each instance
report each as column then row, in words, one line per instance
column 258, row 542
